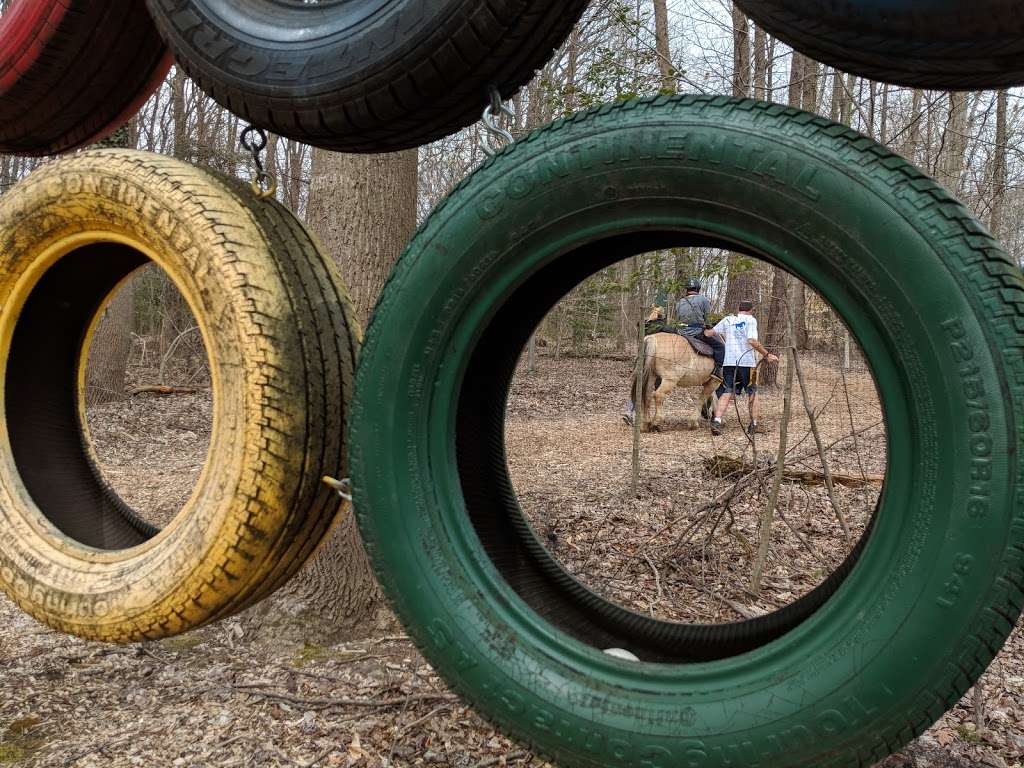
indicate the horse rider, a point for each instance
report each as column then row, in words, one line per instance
column 693, row 311
column 742, row 346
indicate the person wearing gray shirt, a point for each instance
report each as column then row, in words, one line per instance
column 693, row 311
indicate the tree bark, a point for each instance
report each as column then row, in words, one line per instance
column 110, row 349
column 912, row 138
column 741, row 283
column 760, row 64
column 950, row 162
column 740, row 53
column 111, row 344
column 999, row 166
column 669, row 85
column 363, row 209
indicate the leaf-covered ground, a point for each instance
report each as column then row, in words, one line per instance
column 230, row 696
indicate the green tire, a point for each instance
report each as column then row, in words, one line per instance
column 864, row 663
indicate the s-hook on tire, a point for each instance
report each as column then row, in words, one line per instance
column 845, row 675
column 72, row 72
column 281, row 342
column 362, row 75
column 947, row 44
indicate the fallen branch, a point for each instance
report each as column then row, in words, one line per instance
column 722, row 465
column 327, row 703
column 502, row 759
column 159, row 389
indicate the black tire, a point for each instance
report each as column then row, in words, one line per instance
column 365, row 76
column 851, row 671
column 956, row 45
column 73, row 72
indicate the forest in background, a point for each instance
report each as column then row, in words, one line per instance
column 623, row 48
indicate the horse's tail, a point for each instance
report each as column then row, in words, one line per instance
column 647, row 382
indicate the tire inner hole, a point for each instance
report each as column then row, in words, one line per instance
column 545, row 458
column 111, row 453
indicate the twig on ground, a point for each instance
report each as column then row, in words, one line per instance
column 740, row 609
column 162, row 389
column 321, row 756
column 327, row 703
column 426, row 718
column 657, row 581
column 520, row 755
column 800, row 537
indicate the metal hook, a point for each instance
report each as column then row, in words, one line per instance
column 264, row 186
column 492, row 113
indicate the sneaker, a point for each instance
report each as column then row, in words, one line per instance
column 752, row 428
column 716, row 427
column 628, row 418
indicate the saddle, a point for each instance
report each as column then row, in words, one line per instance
column 700, row 347
column 690, row 334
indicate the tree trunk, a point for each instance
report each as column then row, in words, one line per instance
column 809, row 97
column 110, row 349
column 775, row 327
column 950, row 162
column 912, row 138
column 741, row 283
column 999, row 166
column 112, row 341
column 363, row 209
column 800, row 315
column 740, row 53
column 182, row 139
column 760, row 64
column 669, row 86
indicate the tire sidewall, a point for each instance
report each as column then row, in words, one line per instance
column 25, row 28
column 42, row 566
column 822, row 205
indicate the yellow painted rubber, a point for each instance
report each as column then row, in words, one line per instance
column 281, row 341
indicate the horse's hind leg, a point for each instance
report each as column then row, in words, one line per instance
column 707, row 409
column 660, row 394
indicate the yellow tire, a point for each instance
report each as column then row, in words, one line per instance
column 281, row 342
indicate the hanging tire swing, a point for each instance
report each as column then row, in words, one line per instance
column 364, row 76
column 72, row 72
column 948, row 44
column 281, row 343
column 851, row 672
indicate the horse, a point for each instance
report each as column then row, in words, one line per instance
column 669, row 357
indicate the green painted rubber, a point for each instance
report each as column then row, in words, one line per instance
column 930, row 296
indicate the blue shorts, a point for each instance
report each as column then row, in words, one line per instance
column 738, row 379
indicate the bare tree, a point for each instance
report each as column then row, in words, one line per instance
column 363, row 209
column 740, row 53
column 669, row 85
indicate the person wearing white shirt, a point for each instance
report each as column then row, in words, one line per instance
column 742, row 351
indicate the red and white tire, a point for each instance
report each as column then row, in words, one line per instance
column 73, row 71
